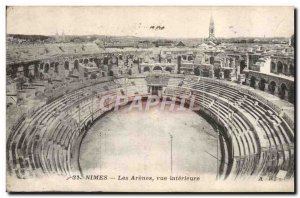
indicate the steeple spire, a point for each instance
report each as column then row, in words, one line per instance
column 211, row 28
column 211, row 20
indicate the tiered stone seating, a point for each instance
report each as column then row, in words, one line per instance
column 265, row 138
column 175, row 81
column 256, row 139
column 44, row 142
column 238, row 130
column 133, row 87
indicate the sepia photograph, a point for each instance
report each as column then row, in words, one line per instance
column 150, row 99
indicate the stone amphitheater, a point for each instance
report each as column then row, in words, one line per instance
column 53, row 93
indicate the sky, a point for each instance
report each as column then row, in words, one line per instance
column 178, row 22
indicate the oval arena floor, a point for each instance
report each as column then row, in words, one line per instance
column 139, row 142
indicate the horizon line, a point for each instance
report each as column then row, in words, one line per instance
column 83, row 35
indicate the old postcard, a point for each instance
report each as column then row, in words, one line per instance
column 150, row 99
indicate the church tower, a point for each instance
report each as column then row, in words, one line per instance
column 212, row 40
column 211, row 28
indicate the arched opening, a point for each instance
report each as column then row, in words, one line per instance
column 105, row 60
column 56, row 67
column 252, row 81
column 26, row 70
column 272, row 87
column 42, row 66
column 262, row 84
column 46, row 68
column 205, row 73
column 86, row 61
column 217, row 73
column 146, row 69
column 211, row 60
column 226, row 73
column 285, row 69
column 169, row 69
column 292, row 70
column 30, row 73
column 130, row 72
column 197, row 71
column 190, row 58
column 279, row 67
column 97, row 62
column 157, row 68
column 41, row 76
column 243, row 65
column 36, row 70
column 111, row 73
column 183, row 57
column 117, row 61
column 283, row 89
column 273, row 67
column 66, row 65
column 232, row 62
column 93, row 76
column 76, row 65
